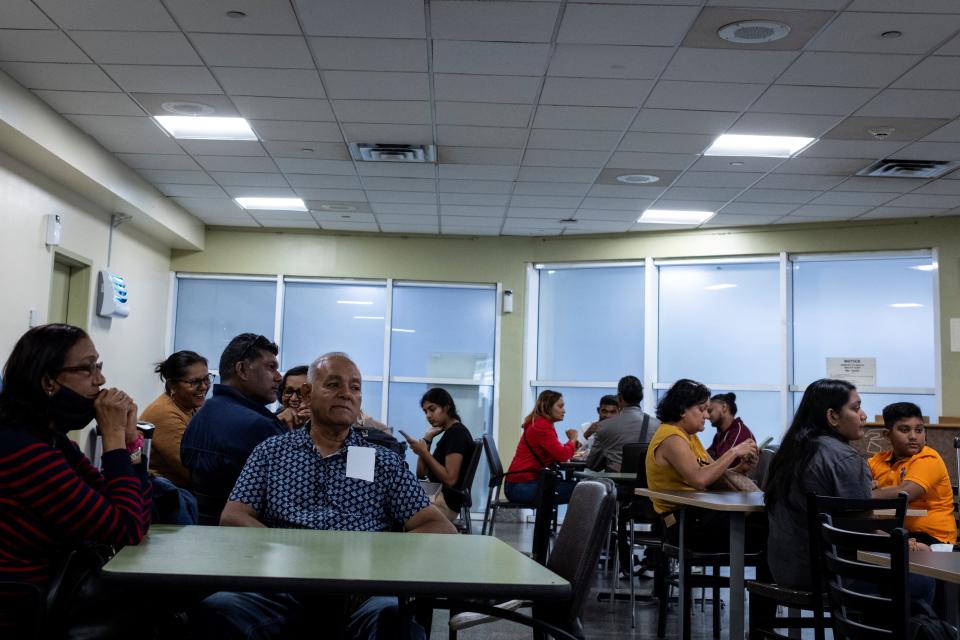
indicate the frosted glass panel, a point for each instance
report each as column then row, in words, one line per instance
column 591, row 324
column 443, row 332
column 759, row 410
column 210, row 313
column 720, row 323
column 873, row 403
column 372, row 396
column 879, row 308
column 475, row 406
column 322, row 317
column 581, row 406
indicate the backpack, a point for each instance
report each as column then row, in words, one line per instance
column 926, row 625
column 375, row 436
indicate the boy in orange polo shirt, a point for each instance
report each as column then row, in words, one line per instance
column 918, row 470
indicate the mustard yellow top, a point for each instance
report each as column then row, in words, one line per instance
column 170, row 422
column 665, row 477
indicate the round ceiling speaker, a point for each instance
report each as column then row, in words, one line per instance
column 754, row 31
column 637, row 178
column 184, row 108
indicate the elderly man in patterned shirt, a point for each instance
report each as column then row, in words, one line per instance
column 300, row 480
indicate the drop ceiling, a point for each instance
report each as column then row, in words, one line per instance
column 535, row 107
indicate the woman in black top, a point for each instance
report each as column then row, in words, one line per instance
column 448, row 463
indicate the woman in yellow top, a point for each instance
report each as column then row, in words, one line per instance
column 917, row 470
column 676, row 460
column 187, row 381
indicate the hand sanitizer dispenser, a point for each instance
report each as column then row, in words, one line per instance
column 112, row 301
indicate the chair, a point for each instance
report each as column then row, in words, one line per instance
column 759, row 473
column 866, row 601
column 574, row 558
column 463, row 488
column 640, row 511
column 497, row 475
column 851, row 514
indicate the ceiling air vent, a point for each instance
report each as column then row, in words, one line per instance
column 890, row 168
column 373, row 152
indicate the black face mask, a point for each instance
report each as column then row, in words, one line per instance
column 70, row 411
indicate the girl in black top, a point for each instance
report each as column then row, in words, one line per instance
column 448, row 463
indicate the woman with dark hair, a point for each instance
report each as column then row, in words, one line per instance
column 293, row 412
column 676, row 460
column 539, row 447
column 53, row 498
column 730, row 429
column 448, row 463
column 186, row 381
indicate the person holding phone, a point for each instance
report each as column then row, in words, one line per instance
column 448, row 462
column 722, row 412
column 539, row 448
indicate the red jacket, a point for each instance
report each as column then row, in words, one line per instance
column 539, row 440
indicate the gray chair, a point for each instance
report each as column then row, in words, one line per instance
column 494, row 486
column 463, row 525
column 574, row 557
column 759, row 473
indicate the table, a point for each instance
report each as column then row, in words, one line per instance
column 616, row 476
column 400, row 564
column 939, row 565
column 571, row 466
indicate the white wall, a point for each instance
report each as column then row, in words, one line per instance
column 128, row 346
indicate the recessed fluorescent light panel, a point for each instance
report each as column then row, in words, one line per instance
column 272, row 204
column 672, row 216
column 206, row 128
column 758, row 146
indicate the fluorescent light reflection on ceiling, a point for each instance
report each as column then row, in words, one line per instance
column 206, row 128
column 757, row 146
column 368, row 317
column 718, row 287
column 272, row 204
column 354, row 302
column 906, row 305
column 926, row 267
column 672, row 216
column 405, row 330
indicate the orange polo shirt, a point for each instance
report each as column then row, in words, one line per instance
column 926, row 469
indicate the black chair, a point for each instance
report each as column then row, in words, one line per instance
column 759, row 473
column 574, row 557
column 494, row 486
column 867, row 601
column 639, row 511
column 463, row 525
column 765, row 597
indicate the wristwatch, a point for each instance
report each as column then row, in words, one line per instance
column 136, row 454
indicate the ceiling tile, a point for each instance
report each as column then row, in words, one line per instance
column 593, row 118
column 331, row 195
column 906, row 6
column 679, row 121
column 410, row 228
column 457, row 230
column 156, row 79
column 328, row 167
column 621, row 192
column 90, row 103
column 31, row 45
column 481, row 199
column 634, row 205
column 370, row 54
column 853, row 197
column 609, row 214
column 307, row 149
column 383, row 111
column 596, row 92
column 148, row 161
column 728, row 65
column 401, row 208
column 830, row 211
column 692, row 95
column 347, row 225
column 321, row 181
column 733, row 220
column 741, row 164
column 113, row 15
column 376, row 85
column 408, row 219
column 483, row 114
column 411, row 197
column 848, row 148
column 294, row 130
column 493, row 58
column 609, row 24
column 59, row 77
column 564, row 158
column 169, row 176
column 823, row 166
column 377, row 19
column 707, row 193
column 137, row 47
column 716, row 179
column 397, row 169
column 467, row 210
column 635, row 160
column 603, row 61
column 210, row 16
column 814, row 100
column 284, row 108
column 686, row 205
column 478, row 155
column 361, row 215
column 157, row 104
column 190, row 190
column 881, row 185
column 784, row 196
column 808, row 126
column 947, row 133
column 545, row 201
column 255, row 51
column 665, row 142
column 242, row 220
column 388, row 133
column 798, row 181
column 573, row 139
column 854, row 31
column 236, row 163
column 466, row 221
column 496, row 187
column 234, row 179
column 548, row 213
column 899, row 212
column 803, row 26
column 556, row 174
column 951, row 48
column 279, row 83
column 903, row 129
column 926, row 200
column 459, row 136
column 259, row 192
column 941, row 188
column 476, row 172
column 911, row 102
column 212, row 206
column 400, row 184
column 758, row 208
column 23, row 14
column 663, row 177
column 934, row 72
column 498, row 21
column 474, row 88
column 846, row 69
column 222, row 147
column 301, row 223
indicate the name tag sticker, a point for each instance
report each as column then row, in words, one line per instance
column 361, row 463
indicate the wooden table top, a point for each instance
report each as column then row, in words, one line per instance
column 747, row 501
column 935, row 564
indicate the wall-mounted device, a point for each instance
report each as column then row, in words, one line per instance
column 507, row 301
column 54, row 230
column 112, row 301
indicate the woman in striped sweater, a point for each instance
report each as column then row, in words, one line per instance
column 51, row 497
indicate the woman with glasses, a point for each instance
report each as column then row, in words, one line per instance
column 293, row 412
column 53, row 499
column 186, row 381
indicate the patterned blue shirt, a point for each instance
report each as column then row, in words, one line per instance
column 290, row 485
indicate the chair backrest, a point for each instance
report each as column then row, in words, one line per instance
column 472, row 463
column 878, row 595
column 577, row 548
column 632, row 456
column 642, row 510
column 493, row 461
column 759, row 473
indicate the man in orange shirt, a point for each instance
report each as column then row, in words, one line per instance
column 918, row 470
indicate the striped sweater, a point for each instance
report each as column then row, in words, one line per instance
column 51, row 498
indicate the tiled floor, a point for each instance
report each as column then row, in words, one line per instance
column 602, row 620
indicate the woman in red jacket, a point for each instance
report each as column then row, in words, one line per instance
column 539, row 447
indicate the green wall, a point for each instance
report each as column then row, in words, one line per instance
column 494, row 259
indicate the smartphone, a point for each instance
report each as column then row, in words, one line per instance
column 760, row 447
column 406, row 435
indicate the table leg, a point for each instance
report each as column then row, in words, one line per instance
column 737, row 533
column 684, row 605
column 951, row 591
column 615, row 550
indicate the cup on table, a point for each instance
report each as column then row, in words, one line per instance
column 941, row 547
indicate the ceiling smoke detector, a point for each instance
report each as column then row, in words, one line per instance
column 376, row 152
column 185, row 108
column 881, row 133
column 336, row 207
column 754, row 31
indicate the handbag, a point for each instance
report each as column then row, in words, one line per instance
column 554, row 468
column 735, row 481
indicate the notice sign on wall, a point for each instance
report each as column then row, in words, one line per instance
column 861, row 372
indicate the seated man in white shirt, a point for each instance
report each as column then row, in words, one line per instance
column 608, row 408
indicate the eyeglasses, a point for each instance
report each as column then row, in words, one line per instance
column 292, row 392
column 86, row 369
column 196, row 383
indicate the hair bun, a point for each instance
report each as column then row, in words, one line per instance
column 732, row 395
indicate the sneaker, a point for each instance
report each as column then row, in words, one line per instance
column 639, row 570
